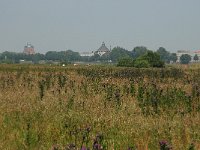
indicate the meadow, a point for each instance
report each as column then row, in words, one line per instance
column 99, row 107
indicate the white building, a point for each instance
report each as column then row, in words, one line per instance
column 87, row 54
column 183, row 52
column 191, row 53
column 101, row 51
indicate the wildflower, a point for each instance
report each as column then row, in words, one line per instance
column 97, row 147
column 130, row 148
column 164, row 145
column 99, row 138
column 97, row 142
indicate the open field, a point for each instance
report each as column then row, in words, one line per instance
column 47, row 107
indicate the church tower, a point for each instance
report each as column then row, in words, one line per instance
column 29, row 49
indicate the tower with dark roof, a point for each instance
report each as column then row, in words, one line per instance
column 102, row 50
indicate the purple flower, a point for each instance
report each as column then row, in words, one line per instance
column 163, row 142
column 97, row 147
column 164, row 145
column 131, row 148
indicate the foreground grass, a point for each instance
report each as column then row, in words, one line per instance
column 46, row 106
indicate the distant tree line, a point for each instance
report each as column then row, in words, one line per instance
column 62, row 56
column 140, row 56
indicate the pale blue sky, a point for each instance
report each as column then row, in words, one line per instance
column 82, row 25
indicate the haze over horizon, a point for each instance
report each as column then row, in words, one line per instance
column 83, row 25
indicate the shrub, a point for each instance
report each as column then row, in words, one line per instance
column 140, row 63
column 126, row 62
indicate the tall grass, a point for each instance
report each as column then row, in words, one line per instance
column 114, row 108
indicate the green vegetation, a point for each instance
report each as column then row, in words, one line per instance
column 126, row 62
column 164, row 55
column 118, row 53
column 173, row 57
column 149, row 59
column 69, row 56
column 185, row 59
column 62, row 56
column 139, row 51
column 98, row 107
column 141, row 63
column 196, row 58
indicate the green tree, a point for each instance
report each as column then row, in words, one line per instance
column 139, row 51
column 141, row 63
column 118, row 53
column 10, row 57
column 37, row 57
column 52, row 55
column 70, row 55
column 95, row 57
column 149, row 59
column 64, row 56
column 173, row 57
column 153, row 58
column 126, row 62
column 164, row 55
column 185, row 59
column 196, row 58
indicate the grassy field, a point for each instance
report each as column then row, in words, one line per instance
column 98, row 107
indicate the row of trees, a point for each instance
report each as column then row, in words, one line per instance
column 137, row 56
column 149, row 59
column 118, row 53
column 62, row 56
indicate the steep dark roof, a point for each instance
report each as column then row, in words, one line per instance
column 103, row 48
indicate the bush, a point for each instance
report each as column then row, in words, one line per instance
column 153, row 59
column 185, row 59
column 126, row 62
column 140, row 63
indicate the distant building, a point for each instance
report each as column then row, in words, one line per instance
column 102, row 50
column 25, row 62
column 29, row 49
column 87, row 54
column 182, row 52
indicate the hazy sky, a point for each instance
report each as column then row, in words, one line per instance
column 82, row 25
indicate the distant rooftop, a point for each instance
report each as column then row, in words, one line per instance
column 103, row 48
column 197, row 51
column 29, row 45
column 184, row 51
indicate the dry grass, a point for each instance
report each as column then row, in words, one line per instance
column 71, row 102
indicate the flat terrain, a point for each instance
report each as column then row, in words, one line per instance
column 99, row 107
